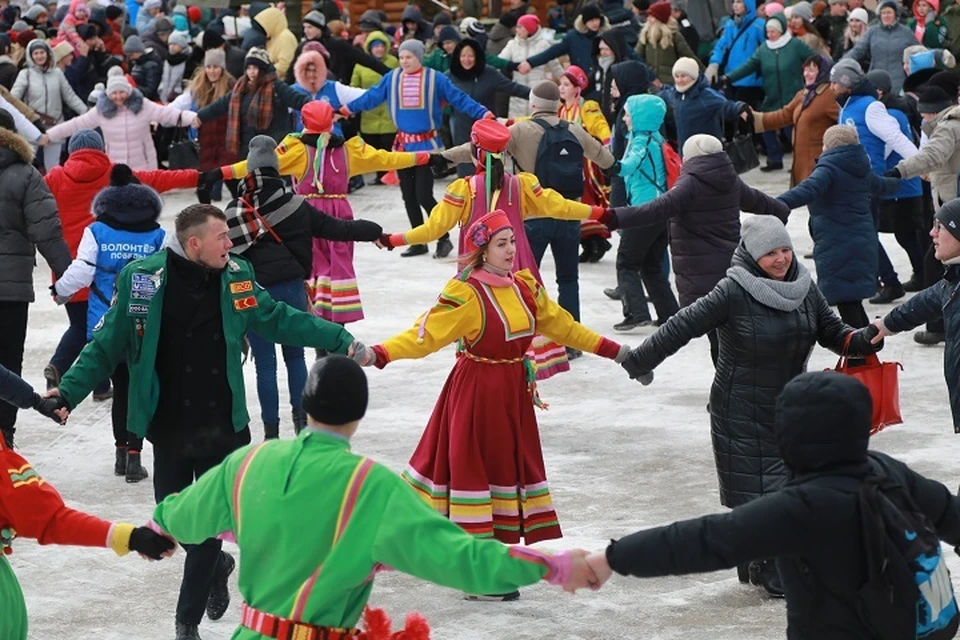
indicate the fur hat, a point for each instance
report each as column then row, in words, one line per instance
column 593, row 12
column 262, row 154
column 545, row 96
column 413, row 46
column 134, row 45
column 336, row 392
column 85, row 139
column 763, row 234
column 934, row 100
column 259, row 58
column 687, row 66
column 215, row 58
column 840, row 135
column 661, row 11
column 701, row 144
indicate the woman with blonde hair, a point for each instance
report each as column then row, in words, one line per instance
column 661, row 44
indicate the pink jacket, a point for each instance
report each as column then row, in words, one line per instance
column 126, row 130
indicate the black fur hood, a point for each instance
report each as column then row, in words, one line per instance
column 134, row 207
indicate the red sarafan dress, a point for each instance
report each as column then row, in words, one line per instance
column 479, row 461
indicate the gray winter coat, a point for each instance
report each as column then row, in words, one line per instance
column 939, row 157
column 46, row 89
column 29, row 221
column 883, row 46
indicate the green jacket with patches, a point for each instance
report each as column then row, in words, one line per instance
column 131, row 330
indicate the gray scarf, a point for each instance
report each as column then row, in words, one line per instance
column 776, row 294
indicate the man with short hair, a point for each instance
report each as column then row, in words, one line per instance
column 179, row 317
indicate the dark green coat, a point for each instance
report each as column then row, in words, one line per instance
column 781, row 70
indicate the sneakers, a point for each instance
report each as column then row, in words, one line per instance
column 219, row 598
column 888, row 293
column 913, row 285
column 134, row 471
column 928, row 338
column 629, row 324
column 612, row 293
column 120, row 464
column 52, row 376
column 444, row 247
column 188, row 632
column 771, row 166
column 415, row 250
column 493, row 597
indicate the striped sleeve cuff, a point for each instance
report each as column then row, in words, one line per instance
column 118, row 537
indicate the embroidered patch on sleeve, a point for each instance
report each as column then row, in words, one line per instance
column 25, row 475
column 142, row 286
column 244, row 286
column 249, row 302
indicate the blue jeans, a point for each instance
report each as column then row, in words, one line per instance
column 888, row 275
column 73, row 340
column 563, row 237
column 774, row 150
column 265, row 357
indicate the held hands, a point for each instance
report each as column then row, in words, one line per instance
column 643, row 376
column 712, row 73
column 882, row 331
column 384, row 242
column 524, row 67
column 43, row 140
column 361, row 354
column 151, row 545
column 597, row 561
column 60, row 409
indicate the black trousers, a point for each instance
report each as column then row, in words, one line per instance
column 383, row 141
column 173, row 472
column 640, row 264
column 853, row 313
column 13, row 329
column 118, row 412
column 416, row 187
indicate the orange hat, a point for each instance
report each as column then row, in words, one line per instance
column 317, row 116
column 489, row 135
column 481, row 231
column 577, row 76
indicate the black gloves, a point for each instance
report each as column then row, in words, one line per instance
column 643, row 376
column 439, row 164
column 150, row 543
column 893, row 172
column 385, row 241
column 612, row 170
column 335, row 141
column 47, row 406
column 366, row 231
column 208, row 179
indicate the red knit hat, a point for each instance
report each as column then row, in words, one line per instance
column 481, row 231
column 529, row 22
column 26, row 37
column 194, row 13
column 661, row 11
column 577, row 76
column 489, row 135
column 317, row 116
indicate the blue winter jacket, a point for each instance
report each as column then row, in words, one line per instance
column 700, row 109
column 838, row 194
column 741, row 39
column 642, row 168
column 576, row 43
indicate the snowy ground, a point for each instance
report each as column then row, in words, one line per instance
column 620, row 457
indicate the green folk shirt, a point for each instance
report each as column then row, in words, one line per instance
column 285, row 501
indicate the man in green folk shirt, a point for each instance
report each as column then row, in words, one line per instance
column 361, row 517
column 178, row 319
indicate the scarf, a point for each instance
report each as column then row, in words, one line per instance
column 258, row 115
column 780, row 42
column 781, row 295
column 823, row 76
column 263, row 203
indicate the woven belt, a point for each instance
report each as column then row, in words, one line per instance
column 402, row 139
column 271, row 626
column 481, row 359
column 326, row 196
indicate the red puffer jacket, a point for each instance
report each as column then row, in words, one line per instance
column 82, row 176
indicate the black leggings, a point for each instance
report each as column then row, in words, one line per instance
column 416, row 187
column 118, row 412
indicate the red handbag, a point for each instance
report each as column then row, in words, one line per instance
column 883, row 381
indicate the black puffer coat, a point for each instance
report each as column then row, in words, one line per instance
column 703, row 208
column 761, row 349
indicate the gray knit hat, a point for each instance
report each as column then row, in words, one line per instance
column 545, row 96
column 840, row 135
column 413, row 46
column 215, row 58
column 262, row 154
column 763, row 234
column 847, row 73
column 701, row 144
column 134, row 45
column 180, row 39
column 316, row 19
column 949, row 217
column 85, row 139
column 802, row 10
column 118, row 83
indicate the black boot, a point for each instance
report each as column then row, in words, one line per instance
column 120, row 464
column 135, row 471
column 219, row 598
column 914, row 284
column 771, row 166
column 743, row 570
column 888, row 293
column 188, row 632
column 600, row 247
column 928, row 338
column 299, row 420
column 271, row 431
column 415, row 250
column 631, row 323
column 613, row 293
column 7, row 437
column 763, row 573
column 444, row 247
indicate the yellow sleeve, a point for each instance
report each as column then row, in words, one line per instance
column 535, row 201
column 363, row 158
column 594, row 122
column 452, row 210
column 555, row 322
column 291, row 154
column 456, row 314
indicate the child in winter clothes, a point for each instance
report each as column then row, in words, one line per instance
column 125, row 230
column 171, row 79
column 930, row 29
column 642, row 250
column 376, row 127
column 310, row 70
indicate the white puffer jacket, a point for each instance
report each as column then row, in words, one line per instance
column 126, row 129
column 45, row 89
column 518, row 50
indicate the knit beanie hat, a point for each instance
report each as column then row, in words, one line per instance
column 880, row 78
column 211, row 40
column 840, row 135
column 215, row 58
column 413, row 46
column 336, row 391
column 509, row 20
column 370, row 21
column 661, row 11
column 259, row 58
column 847, row 73
column 113, row 12
column 194, row 14
column 592, row 12
column 888, row 4
column 545, row 96
column 771, row 9
column 687, row 67
column 466, row 23
column 802, row 10
column 949, row 217
column 163, row 25
column 151, row 4
column 262, row 154
column 529, row 22
column 775, row 24
column 934, row 100
column 441, row 19
column 180, row 39
column 763, row 234
column 35, row 12
column 118, row 83
column 85, row 139
column 19, row 26
column 134, row 45
column 476, row 29
column 701, row 144
column 86, row 31
column 26, row 37
column 859, row 14
column 316, row 19
column 449, row 33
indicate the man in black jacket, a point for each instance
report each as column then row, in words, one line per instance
column 823, row 427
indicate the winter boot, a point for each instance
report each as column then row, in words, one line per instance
column 928, row 338
column 631, row 323
column 7, row 435
column 763, row 573
column 771, row 166
column 271, row 431
column 600, row 247
column 52, row 376
column 219, row 598
column 888, row 293
column 613, row 293
column 135, row 471
column 299, row 420
column 914, row 284
column 188, row 632
column 415, row 250
column 743, row 570
column 493, row 597
column 444, row 247
column 120, row 464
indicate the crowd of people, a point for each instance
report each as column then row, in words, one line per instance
column 605, row 119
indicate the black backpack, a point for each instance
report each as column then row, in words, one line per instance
column 908, row 592
column 560, row 160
